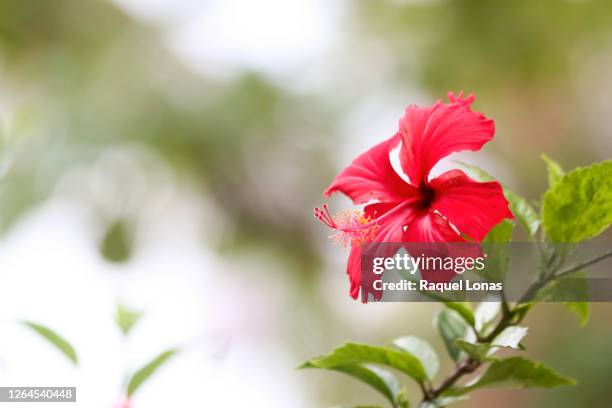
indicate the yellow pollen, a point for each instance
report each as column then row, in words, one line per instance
column 353, row 228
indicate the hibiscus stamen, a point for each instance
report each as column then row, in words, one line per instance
column 352, row 226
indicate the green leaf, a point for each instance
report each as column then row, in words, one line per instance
column 517, row 372
column 580, row 309
column 572, row 287
column 52, row 337
column 421, row 350
column 509, row 338
column 522, row 210
column 477, row 351
column 555, row 171
column 464, row 309
column 485, row 315
column 402, row 399
column 579, row 205
column 353, row 353
column 501, row 233
column 494, row 245
column 126, row 318
column 451, row 326
column 381, row 380
column 148, row 370
column 521, row 310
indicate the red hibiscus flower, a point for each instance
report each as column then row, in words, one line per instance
column 415, row 208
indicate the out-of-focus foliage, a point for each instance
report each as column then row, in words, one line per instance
column 116, row 245
column 537, row 67
column 585, row 358
column 80, row 85
column 489, row 46
column 55, row 339
column 127, row 318
column 142, row 375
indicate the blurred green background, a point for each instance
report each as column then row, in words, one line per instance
column 97, row 90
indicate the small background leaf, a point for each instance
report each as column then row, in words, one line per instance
column 126, row 318
column 147, row 371
column 116, row 245
column 63, row 345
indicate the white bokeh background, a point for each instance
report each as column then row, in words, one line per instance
column 53, row 273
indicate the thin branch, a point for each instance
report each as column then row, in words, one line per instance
column 578, row 267
column 533, row 289
column 467, row 367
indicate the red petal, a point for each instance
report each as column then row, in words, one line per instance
column 429, row 134
column 375, row 210
column 390, row 229
column 473, row 207
column 353, row 269
column 429, row 228
column 371, row 176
